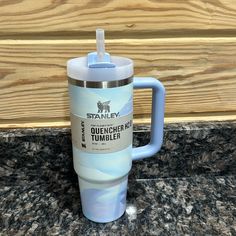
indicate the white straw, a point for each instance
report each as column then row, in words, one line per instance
column 100, row 44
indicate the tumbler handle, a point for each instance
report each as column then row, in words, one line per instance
column 157, row 119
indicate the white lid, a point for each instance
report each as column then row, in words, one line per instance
column 99, row 65
column 77, row 68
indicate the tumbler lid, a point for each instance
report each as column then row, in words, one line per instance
column 99, row 65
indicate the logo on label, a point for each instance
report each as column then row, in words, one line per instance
column 103, row 111
column 83, row 134
column 103, row 106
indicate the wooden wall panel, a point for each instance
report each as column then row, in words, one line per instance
column 199, row 75
column 190, row 45
column 120, row 18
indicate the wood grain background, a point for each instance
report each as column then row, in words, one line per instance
column 189, row 45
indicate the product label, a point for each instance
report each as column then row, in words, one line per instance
column 102, row 135
column 101, row 119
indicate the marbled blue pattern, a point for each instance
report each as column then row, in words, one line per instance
column 103, row 203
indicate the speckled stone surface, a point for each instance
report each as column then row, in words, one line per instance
column 188, row 188
column 190, row 149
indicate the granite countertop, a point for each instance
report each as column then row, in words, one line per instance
column 188, row 188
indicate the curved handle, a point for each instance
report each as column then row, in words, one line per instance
column 157, row 120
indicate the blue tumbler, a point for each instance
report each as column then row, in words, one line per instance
column 101, row 111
